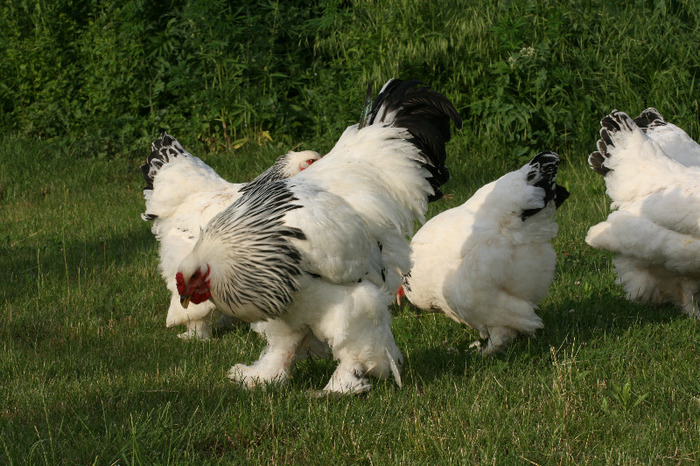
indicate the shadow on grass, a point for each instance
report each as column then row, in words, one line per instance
column 584, row 321
column 29, row 267
column 434, row 345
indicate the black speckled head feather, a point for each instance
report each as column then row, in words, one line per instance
column 542, row 173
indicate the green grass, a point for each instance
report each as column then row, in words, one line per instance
column 90, row 374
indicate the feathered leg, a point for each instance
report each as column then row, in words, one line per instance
column 350, row 377
column 358, row 331
column 275, row 361
column 689, row 299
column 521, row 319
column 197, row 330
column 499, row 338
column 197, row 318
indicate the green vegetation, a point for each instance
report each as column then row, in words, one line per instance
column 106, row 77
column 90, row 374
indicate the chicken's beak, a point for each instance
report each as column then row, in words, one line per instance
column 185, row 301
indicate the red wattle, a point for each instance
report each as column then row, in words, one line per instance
column 180, row 282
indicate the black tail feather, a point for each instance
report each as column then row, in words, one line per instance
column 162, row 149
column 426, row 114
column 611, row 124
column 595, row 160
column 649, row 118
column 366, row 108
column 543, row 171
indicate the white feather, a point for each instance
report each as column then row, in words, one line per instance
column 676, row 144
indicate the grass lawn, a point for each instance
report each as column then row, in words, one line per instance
column 90, row 374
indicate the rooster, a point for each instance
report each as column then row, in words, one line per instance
column 654, row 230
column 182, row 194
column 489, row 262
column 314, row 257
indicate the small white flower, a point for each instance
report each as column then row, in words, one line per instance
column 527, row 51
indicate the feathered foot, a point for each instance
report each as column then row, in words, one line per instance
column 690, row 305
column 197, row 330
column 275, row 362
column 272, row 367
column 498, row 339
column 348, row 379
column 253, row 376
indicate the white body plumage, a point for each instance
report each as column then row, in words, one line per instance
column 654, row 230
column 489, row 262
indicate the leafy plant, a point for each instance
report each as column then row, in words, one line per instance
column 622, row 394
column 106, row 77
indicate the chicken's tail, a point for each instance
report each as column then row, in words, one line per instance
column 622, row 137
column 632, row 163
column 598, row 159
column 542, row 173
column 425, row 114
column 171, row 174
column 163, row 150
column 649, row 119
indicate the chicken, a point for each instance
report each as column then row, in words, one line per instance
column 654, row 229
column 314, row 257
column 182, row 194
column 489, row 262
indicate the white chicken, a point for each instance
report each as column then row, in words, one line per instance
column 317, row 255
column 654, row 230
column 489, row 262
column 182, row 194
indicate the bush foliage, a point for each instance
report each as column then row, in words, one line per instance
column 107, row 76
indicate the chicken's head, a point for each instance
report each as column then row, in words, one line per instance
column 193, row 287
column 302, row 160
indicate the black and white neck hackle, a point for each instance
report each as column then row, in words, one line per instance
column 542, row 173
column 263, row 264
